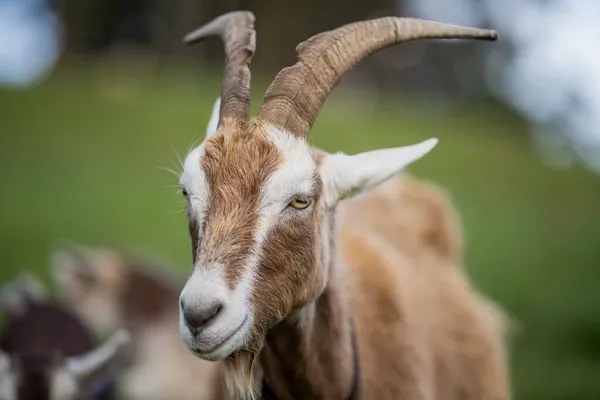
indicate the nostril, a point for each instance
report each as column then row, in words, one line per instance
column 200, row 317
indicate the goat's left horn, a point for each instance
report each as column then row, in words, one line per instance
column 297, row 93
column 86, row 364
column 236, row 29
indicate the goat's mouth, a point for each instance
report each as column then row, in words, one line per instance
column 226, row 346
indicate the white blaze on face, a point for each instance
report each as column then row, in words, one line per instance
column 294, row 177
column 207, row 285
column 193, row 180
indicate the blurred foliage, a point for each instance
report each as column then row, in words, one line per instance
column 80, row 157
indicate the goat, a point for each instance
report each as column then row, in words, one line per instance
column 110, row 289
column 46, row 353
column 318, row 297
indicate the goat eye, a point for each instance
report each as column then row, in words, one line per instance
column 300, row 204
column 184, row 192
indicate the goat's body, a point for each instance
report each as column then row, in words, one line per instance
column 423, row 331
column 43, row 326
column 164, row 369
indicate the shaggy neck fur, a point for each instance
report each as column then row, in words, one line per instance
column 309, row 354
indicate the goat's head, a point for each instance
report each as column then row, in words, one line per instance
column 90, row 282
column 48, row 375
column 109, row 289
column 260, row 197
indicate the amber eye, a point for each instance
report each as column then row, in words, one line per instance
column 300, row 204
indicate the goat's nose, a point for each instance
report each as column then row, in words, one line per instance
column 199, row 317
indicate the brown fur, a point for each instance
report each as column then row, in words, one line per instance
column 423, row 332
column 458, row 346
column 416, row 217
column 392, row 266
column 231, row 221
column 127, row 292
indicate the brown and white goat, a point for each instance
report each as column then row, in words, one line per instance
column 319, row 297
column 47, row 353
column 109, row 289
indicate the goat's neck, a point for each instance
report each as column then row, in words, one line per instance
column 310, row 354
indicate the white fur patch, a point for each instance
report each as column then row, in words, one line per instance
column 296, row 174
column 193, row 180
column 207, row 285
column 239, row 378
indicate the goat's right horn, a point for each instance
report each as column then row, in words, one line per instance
column 297, row 93
column 237, row 32
column 86, row 364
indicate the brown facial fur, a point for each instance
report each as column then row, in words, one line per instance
column 291, row 271
column 237, row 162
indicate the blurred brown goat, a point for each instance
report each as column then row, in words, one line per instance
column 109, row 289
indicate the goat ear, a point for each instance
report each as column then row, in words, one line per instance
column 71, row 263
column 102, row 358
column 213, row 122
column 347, row 175
column 26, row 286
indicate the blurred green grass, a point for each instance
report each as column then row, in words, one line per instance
column 80, row 156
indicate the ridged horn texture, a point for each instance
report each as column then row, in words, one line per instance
column 236, row 29
column 298, row 92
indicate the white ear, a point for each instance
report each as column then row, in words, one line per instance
column 345, row 175
column 213, row 123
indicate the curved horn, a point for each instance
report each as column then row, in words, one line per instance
column 236, row 29
column 298, row 92
column 86, row 364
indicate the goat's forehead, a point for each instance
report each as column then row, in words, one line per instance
column 275, row 159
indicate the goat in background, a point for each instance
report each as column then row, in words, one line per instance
column 301, row 287
column 47, row 353
column 109, row 289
